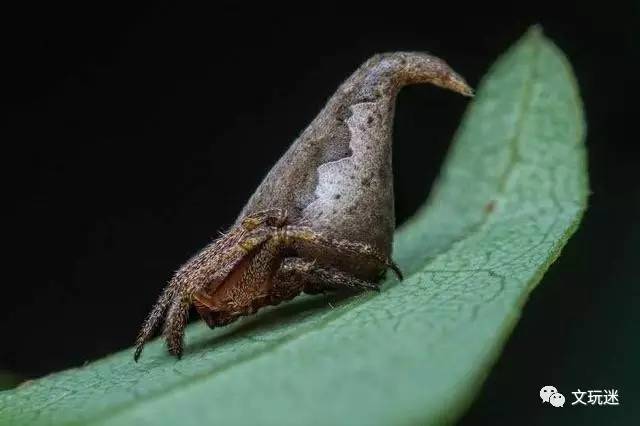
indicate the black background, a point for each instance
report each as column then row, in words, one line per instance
column 131, row 136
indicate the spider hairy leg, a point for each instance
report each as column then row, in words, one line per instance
column 209, row 267
column 307, row 236
column 317, row 279
column 153, row 319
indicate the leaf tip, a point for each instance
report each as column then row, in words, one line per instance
column 535, row 31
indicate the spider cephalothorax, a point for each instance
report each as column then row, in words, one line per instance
column 321, row 220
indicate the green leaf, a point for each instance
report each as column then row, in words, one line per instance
column 512, row 191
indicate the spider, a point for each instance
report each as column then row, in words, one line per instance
column 321, row 220
column 262, row 261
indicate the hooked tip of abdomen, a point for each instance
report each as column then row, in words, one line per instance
column 406, row 68
column 458, row 84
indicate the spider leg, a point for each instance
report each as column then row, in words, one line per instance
column 178, row 314
column 268, row 262
column 153, row 319
column 207, row 268
column 302, row 235
column 307, row 275
column 176, row 322
column 245, row 290
column 269, row 279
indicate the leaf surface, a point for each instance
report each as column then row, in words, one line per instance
column 512, row 191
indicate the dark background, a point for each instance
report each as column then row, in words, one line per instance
column 131, row 136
